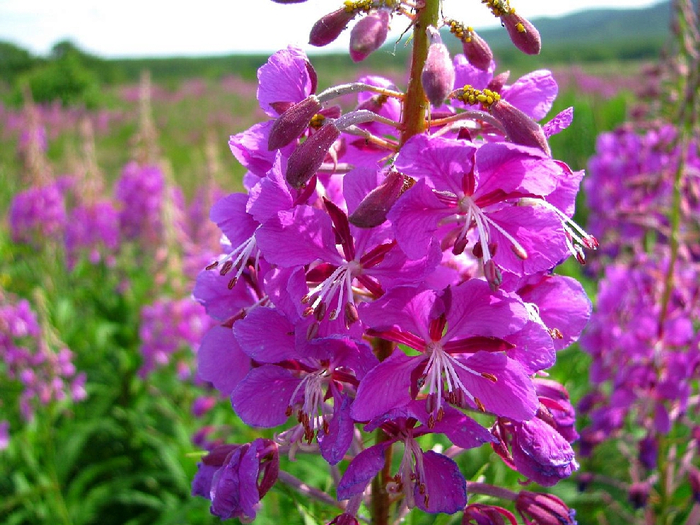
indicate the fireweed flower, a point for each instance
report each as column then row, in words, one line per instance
column 461, row 359
column 92, row 229
column 37, row 214
column 236, row 477
column 461, row 188
column 428, row 480
column 140, row 192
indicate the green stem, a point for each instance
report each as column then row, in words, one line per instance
column 416, row 105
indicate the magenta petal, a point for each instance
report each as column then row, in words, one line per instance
column 538, row 231
column 361, row 470
column 337, row 441
column 230, row 216
column 219, row 301
column 415, row 217
column 512, row 395
column 297, row 237
column 266, row 336
column 534, row 348
column 262, row 398
column 404, row 307
column 560, row 122
column 477, row 311
column 250, row 148
column 385, row 387
column 462, row 430
column 533, row 94
column 284, row 78
column 221, row 361
column 563, row 305
column 270, row 195
column 445, row 487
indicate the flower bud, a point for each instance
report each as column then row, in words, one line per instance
column 292, row 123
column 438, row 75
column 520, row 128
column 694, row 479
column 477, row 51
column 369, row 34
column 480, row 514
column 496, row 84
column 329, row 27
column 648, row 449
column 544, row 509
column 307, row 158
column 638, row 494
column 289, row 1
column 373, row 208
column 522, row 33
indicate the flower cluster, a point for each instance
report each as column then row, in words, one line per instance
column 643, row 338
column 166, row 327
column 45, row 372
column 391, row 281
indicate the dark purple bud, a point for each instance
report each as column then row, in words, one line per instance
column 292, row 123
column 544, row 509
column 648, row 450
column 520, row 128
column 307, row 158
column 638, row 495
column 344, row 519
column 694, row 479
column 373, row 208
column 480, row 514
column 329, row 27
column 438, row 76
column 369, row 34
column 522, row 33
column 477, row 51
column 289, row 1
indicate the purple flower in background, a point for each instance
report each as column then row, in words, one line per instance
column 92, row 229
column 169, row 325
column 140, row 191
column 37, row 214
column 46, row 373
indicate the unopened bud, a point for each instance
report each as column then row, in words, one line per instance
column 638, row 495
column 438, row 75
column 543, row 509
column 373, row 208
column 289, row 1
column 478, row 52
column 292, row 123
column 480, row 514
column 307, row 158
column 520, row 128
column 329, row 27
column 522, row 33
column 694, row 479
column 369, row 34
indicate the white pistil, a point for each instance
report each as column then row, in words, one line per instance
column 441, row 363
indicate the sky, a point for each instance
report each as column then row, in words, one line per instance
column 156, row 28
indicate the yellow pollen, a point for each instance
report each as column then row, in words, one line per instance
column 473, row 96
column 317, row 121
column 520, row 27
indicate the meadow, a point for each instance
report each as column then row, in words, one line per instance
column 111, row 431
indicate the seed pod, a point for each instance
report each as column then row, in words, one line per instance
column 329, row 27
column 369, row 34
